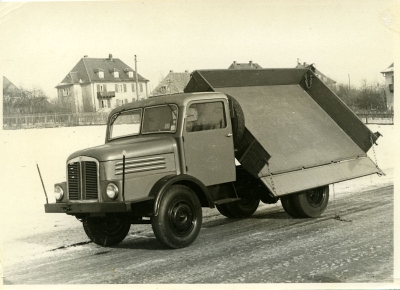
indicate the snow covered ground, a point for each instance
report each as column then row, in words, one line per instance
column 22, row 198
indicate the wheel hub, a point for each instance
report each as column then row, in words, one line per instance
column 182, row 218
column 315, row 197
column 110, row 225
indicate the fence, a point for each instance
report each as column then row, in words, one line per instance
column 53, row 120
column 381, row 119
column 100, row 118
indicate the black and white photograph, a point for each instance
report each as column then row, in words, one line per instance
column 199, row 144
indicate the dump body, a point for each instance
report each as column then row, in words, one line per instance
column 300, row 135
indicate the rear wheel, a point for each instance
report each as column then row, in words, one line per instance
column 223, row 209
column 106, row 231
column 312, row 203
column 179, row 219
column 289, row 207
column 244, row 207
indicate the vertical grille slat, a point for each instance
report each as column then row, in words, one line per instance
column 90, row 179
column 73, row 181
column 82, row 180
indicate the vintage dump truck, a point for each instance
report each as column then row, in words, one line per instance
column 233, row 139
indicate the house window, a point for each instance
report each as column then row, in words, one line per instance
column 130, row 74
column 65, row 92
column 101, row 74
column 141, row 87
column 119, row 88
column 100, row 88
column 116, row 74
column 133, row 87
column 125, row 88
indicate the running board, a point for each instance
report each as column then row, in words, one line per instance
column 225, row 200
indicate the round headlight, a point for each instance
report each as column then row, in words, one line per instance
column 112, row 190
column 58, row 192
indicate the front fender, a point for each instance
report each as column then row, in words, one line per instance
column 196, row 185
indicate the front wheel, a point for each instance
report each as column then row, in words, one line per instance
column 179, row 218
column 106, row 231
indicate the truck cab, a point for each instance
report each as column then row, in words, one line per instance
column 150, row 147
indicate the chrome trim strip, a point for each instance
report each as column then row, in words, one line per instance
column 140, row 164
column 141, row 169
column 130, row 161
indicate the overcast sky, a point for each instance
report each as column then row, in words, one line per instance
column 41, row 42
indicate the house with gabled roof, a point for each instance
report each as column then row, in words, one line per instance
column 10, row 90
column 247, row 65
column 173, row 83
column 389, row 86
column 100, row 84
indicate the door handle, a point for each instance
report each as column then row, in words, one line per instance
column 229, row 135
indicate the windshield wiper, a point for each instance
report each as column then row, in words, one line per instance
column 172, row 110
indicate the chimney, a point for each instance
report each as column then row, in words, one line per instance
column 110, row 57
column 251, row 63
column 85, row 56
column 186, row 71
column 171, row 71
column 234, row 62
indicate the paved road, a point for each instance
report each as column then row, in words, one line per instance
column 269, row 247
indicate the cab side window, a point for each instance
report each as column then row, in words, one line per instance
column 205, row 116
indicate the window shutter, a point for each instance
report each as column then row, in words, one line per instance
column 133, row 87
column 124, row 87
column 98, row 88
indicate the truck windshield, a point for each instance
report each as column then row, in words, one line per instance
column 157, row 119
column 125, row 124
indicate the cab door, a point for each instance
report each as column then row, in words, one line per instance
column 208, row 142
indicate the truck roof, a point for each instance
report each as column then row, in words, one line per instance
column 179, row 99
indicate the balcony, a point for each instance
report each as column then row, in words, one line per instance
column 105, row 95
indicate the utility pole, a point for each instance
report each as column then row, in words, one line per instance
column 349, row 81
column 137, row 83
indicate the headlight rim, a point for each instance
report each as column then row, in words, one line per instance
column 115, row 191
column 58, row 195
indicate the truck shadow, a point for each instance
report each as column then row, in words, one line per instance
column 142, row 243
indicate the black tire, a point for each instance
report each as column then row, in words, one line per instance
column 223, row 209
column 312, row 203
column 238, row 123
column 179, row 218
column 243, row 208
column 289, row 207
column 106, row 231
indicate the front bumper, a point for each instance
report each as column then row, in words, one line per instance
column 76, row 208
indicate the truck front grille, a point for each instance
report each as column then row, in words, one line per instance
column 82, row 180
